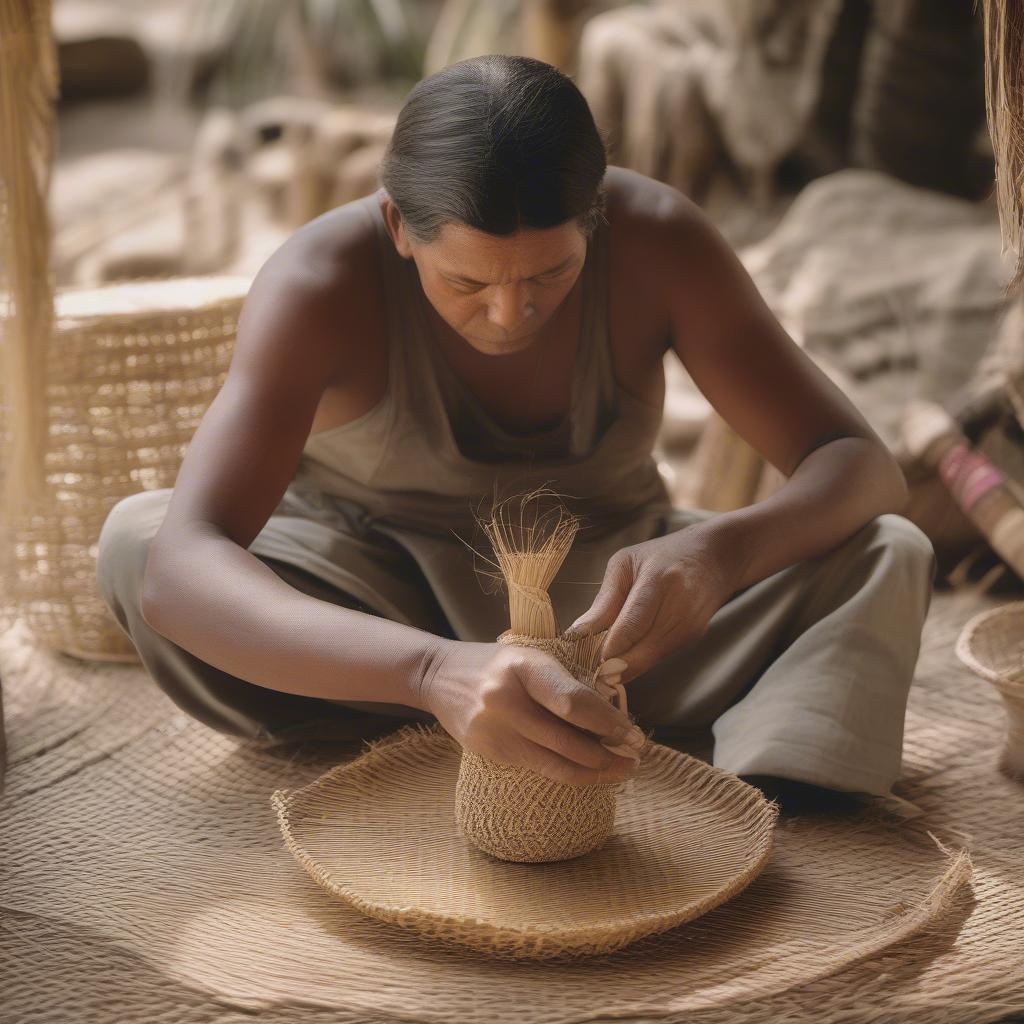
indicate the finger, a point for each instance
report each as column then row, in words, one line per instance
column 548, row 730
column 553, row 766
column 615, row 586
column 643, row 656
column 640, row 616
column 553, row 687
column 669, row 630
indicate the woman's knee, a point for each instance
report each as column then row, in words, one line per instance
column 123, row 545
column 890, row 540
column 905, row 543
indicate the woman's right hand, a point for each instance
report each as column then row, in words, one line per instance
column 521, row 706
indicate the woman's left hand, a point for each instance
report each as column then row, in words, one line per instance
column 658, row 596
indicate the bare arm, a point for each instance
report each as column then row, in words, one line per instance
column 840, row 473
column 203, row 589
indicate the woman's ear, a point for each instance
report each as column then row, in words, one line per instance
column 395, row 226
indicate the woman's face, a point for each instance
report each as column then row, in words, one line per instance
column 495, row 292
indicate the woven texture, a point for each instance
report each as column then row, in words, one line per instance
column 132, row 369
column 992, row 644
column 145, row 878
column 380, row 834
column 520, row 815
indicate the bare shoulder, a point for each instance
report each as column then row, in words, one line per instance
column 668, row 250
column 332, row 252
column 644, row 211
column 646, row 218
column 638, row 193
column 332, row 284
column 323, row 280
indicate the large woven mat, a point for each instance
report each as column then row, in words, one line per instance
column 143, row 877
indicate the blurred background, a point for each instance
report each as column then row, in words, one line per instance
column 840, row 146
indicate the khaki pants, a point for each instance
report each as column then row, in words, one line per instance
column 804, row 675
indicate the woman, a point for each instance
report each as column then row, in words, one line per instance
column 492, row 319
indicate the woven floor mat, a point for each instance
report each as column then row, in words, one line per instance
column 143, row 877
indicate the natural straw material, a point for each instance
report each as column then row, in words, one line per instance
column 992, row 644
column 379, row 833
column 28, row 93
column 506, row 810
column 131, row 371
column 520, row 815
column 1004, row 101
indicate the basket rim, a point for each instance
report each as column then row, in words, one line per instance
column 195, row 293
column 616, row 932
column 966, row 649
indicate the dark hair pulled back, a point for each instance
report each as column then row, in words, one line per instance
column 497, row 143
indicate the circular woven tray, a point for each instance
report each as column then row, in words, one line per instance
column 380, row 833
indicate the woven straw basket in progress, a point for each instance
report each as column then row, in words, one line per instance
column 519, row 815
column 506, row 810
column 131, row 370
column 379, row 832
column 992, row 644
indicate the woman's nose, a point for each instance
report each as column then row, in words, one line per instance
column 510, row 308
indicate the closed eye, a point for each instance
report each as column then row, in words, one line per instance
column 544, row 280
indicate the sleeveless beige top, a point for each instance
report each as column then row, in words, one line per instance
column 383, row 506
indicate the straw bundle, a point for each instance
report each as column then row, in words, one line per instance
column 28, row 89
column 505, row 810
column 1004, row 99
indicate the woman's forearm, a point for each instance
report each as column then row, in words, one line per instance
column 836, row 489
column 220, row 602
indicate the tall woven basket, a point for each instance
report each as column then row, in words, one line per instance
column 507, row 811
column 132, row 368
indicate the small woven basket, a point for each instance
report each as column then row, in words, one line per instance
column 519, row 815
column 132, row 370
column 992, row 644
column 506, row 810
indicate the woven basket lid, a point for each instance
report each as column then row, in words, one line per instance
column 992, row 644
column 380, row 833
